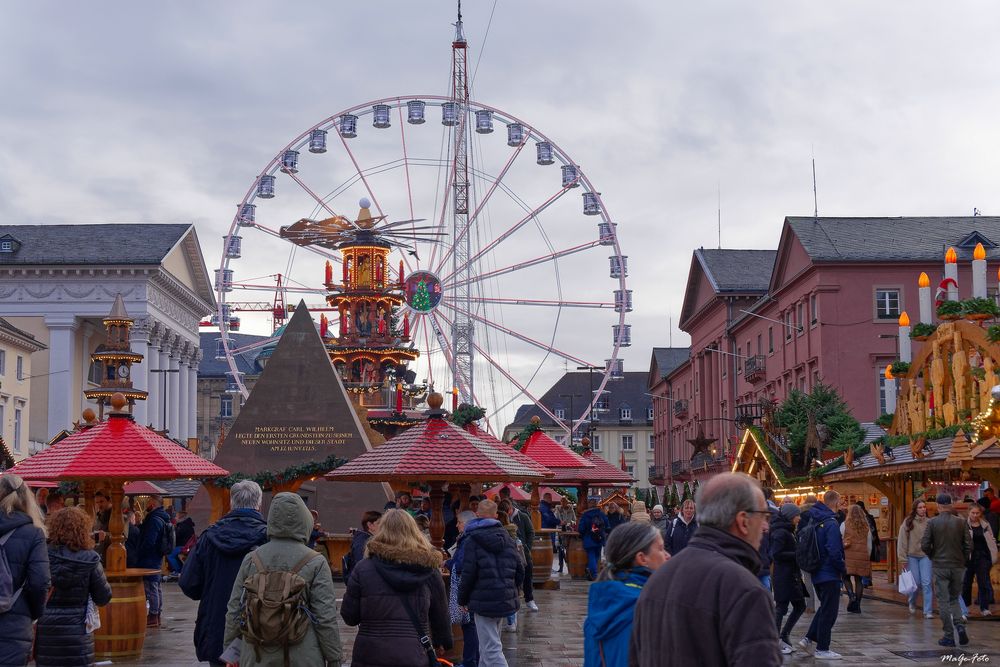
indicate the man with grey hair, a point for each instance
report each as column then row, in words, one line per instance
column 705, row 606
column 211, row 569
column 948, row 542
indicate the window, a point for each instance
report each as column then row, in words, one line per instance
column 788, row 325
column 628, row 442
column 760, row 344
column 3, row 410
column 20, row 367
column 601, row 405
column 770, row 340
column 226, row 408
column 652, row 442
column 625, row 413
column 3, row 362
column 595, row 441
column 739, row 360
column 6, row 246
column 560, row 413
column 814, row 309
column 17, row 429
column 887, row 304
column 630, row 469
column 95, row 373
column 649, row 413
column 800, row 310
column 880, row 390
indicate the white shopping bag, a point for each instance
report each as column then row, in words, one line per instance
column 907, row 584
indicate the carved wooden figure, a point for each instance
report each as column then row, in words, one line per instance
column 917, row 447
column 937, row 377
column 960, row 373
column 878, row 451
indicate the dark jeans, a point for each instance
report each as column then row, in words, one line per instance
column 470, row 649
column 154, row 596
column 980, row 569
column 821, row 627
column 529, row 587
column 780, row 608
column 593, row 560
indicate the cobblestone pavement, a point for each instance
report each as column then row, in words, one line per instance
column 883, row 634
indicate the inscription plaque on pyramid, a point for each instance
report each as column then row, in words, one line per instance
column 299, row 412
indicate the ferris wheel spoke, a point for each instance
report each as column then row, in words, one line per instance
column 509, row 232
column 319, row 200
column 503, row 371
column 360, row 173
column 482, row 204
column 446, row 346
column 254, row 346
column 510, row 332
column 541, row 302
column 311, row 248
column 409, row 188
column 522, row 265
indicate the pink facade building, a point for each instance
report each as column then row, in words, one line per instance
column 824, row 306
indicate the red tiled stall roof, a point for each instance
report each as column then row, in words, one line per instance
column 598, row 473
column 543, row 449
column 116, row 448
column 516, row 492
column 438, row 450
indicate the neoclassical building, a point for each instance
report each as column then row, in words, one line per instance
column 58, row 282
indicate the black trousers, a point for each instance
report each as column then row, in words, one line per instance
column 829, row 605
column 529, row 586
column 781, row 608
column 979, row 568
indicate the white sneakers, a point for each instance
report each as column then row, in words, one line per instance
column 928, row 615
column 987, row 612
column 532, row 606
column 785, row 647
column 913, row 608
column 806, row 645
column 511, row 626
column 828, row 655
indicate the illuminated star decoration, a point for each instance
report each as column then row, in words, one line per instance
column 701, row 443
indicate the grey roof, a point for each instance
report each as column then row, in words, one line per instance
column 738, row 270
column 668, row 359
column 131, row 243
column 246, row 361
column 629, row 391
column 902, row 239
column 180, row 488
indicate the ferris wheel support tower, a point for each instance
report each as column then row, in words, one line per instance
column 462, row 326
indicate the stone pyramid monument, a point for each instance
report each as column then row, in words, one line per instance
column 299, row 412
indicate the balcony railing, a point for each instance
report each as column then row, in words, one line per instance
column 754, row 367
column 681, row 408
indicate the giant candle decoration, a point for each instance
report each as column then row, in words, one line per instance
column 890, row 391
column 979, row 272
column 399, row 397
column 329, row 272
column 925, row 299
column 905, row 344
column 951, row 273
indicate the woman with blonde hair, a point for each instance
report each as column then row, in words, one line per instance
column 857, row 555
column 22, row 538
column 62, row 637
column 394, row 594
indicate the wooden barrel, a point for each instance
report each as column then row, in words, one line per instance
column 541, row 556
column 337, row 545
column 457, row 644
column 123, row 620
column 576, row 557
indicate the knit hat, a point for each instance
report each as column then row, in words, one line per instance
column 943, row 499
column 657, row 508
column 789, row 511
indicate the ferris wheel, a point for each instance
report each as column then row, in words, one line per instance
column 528, row 276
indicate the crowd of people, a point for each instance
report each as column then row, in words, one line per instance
column 665, row 589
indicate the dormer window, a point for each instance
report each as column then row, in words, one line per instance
column 6, row 246
column 560, row 413
column 9, row 244
column 625, row 413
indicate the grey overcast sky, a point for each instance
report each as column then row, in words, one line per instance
column 165, row 112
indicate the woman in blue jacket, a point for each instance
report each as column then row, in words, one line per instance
column 633, row 551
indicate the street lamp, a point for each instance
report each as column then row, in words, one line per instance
column 593, row 400
column 571, row 413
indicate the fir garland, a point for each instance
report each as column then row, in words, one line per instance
column 525, row 433
column 270, row 478
column 465, row 414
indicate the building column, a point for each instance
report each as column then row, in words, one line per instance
column 182, row 355
column 140, row 372
column 192, row 393
column 155, row 400
column 174, row 393
column 163, row 381
column 61, row 385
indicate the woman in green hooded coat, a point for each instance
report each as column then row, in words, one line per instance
column 289, row 524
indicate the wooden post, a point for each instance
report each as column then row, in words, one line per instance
column 536, row 515
column 219, row 497
column 88, row 499
column 115, row 555
column 437, row 521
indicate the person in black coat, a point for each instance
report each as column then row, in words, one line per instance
column 211, row 569
column 398, row 583
column 22, row 531
column 61, row 637
column 369, row 524
column 682, row 528
column 786, row 579
column 492, row 574
column 150, row 556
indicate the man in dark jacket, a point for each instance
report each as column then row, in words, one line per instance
column 183, row 532
column 210, row 570
column 705, row 606
column 593, row 528
column 825, row 580
column 150, row 556
column 806, row 518
column 948, row 542
column 491, row 576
